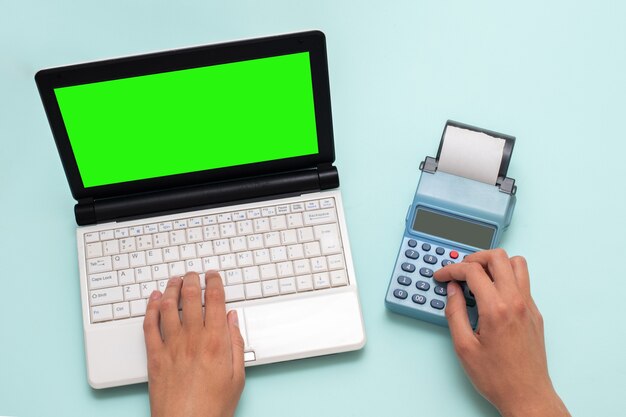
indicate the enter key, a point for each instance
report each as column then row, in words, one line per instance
column 328, row 236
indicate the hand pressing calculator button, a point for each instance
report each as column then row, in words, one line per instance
column 414, row 288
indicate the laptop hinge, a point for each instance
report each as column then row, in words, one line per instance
column 90, row 211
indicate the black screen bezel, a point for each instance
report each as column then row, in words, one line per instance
column 313, row 42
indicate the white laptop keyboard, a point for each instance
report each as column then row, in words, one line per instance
column 263, row 252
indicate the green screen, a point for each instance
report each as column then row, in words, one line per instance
column 191, row 120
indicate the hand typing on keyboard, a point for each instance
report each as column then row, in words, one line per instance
column 506, row 357
column 195, row 363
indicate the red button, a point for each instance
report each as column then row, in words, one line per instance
column 454, row 254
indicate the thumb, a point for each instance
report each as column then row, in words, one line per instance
column 458, row 321
column 237, row 345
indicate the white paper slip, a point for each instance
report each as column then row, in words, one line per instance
column 470, row 154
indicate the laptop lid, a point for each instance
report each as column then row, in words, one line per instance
column 192, row 116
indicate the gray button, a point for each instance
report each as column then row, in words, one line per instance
column 422, row 285
column 408, row 267
column 440, row 251
column 410, row 253
column 438, row 304
column 426, row 272
column 418, row 299
column 401, row 294
column 403, row 280
column 430, row 259
column 440, row 290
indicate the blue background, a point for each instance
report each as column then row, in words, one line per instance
column 550, row 73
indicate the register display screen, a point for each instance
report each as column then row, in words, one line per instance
column 454, row 229
column 191, row 120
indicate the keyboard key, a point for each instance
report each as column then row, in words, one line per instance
column 166, row 227
column 304, row 282
column 327, row 203
column 228, row 261
column 194, row 265
column 120, row 261
column 296, row 252
column 107, row 235
column 143, row 274
column 161, row 240
column 187, row 251
column 92, row 237
column 194, row 235
column 312, row 249
column 127, row 245
column 408, row 267
column 154, row 256
column 96, row 265
column 294, row 220
column 245, row 227
column 255, row 241
column 121, row 310
column 440, row 251
column 426, row 272
column 284, row 269
column 159, row 271
column 221, row 246
column 211, row 232
column 238, row 216
column 454, row 254
column 272, row 239
column 422, row 285
column 305, row 234
column 147, row 288
column 268, row 271
column 278, row 254
column 288, row 237
column 319, row 217
column 150, row 228
column 312, row 205
column 209, row 220
column 102, row 280
column 328, row 235
column 302, row 267
column 245, row 259
column 297, row 207
column 136, row 230
column 101, row 313
column 210, row 263
column 411, row 254
column 137, row 259
column 404, row 280
column 176, row 269
column 106, row 296
column 120, row 233
column 251, row 274
column 321, row 280
column 418, row 299
column 338, row 278
column 270, row 288
column 446, row 262
column 138, row 308
column 430, row 259
column 278, row 222
column 253, row 290
column 440, row 290
column 261, row 256
column 171, row 254
column 319, row 264
column 110, row 247
column 401, row 294
column 234, row 276
column 335, row 262
column 425, row 247
column 144, row 242
column 268, row 211
column 438, row 304
column 224, row 217
column 131, row 292
column 94, row 250
column 412, row 243
column 125, row 276
column 178, row 237
column 228, row 230
column 287, row 285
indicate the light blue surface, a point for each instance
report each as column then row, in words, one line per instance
column 553, row 74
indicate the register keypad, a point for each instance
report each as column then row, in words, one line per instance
column 414, row 282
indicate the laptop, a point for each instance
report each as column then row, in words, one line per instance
column 215, row 157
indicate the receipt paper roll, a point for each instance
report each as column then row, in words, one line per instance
column 470, row 154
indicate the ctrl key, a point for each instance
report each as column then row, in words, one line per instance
column 401, row 294
column 101, row 313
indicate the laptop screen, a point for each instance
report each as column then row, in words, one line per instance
column 191, row 120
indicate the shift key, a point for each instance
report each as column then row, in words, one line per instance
column 328, row 236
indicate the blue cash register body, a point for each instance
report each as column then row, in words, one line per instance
column 451, row 216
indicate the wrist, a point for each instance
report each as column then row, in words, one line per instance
column 547, row 405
